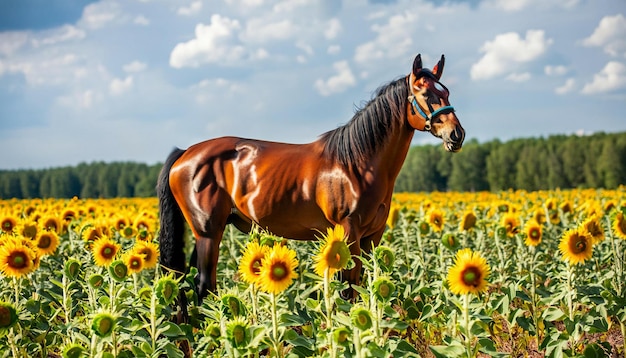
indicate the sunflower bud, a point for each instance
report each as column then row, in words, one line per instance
column 118, row 270
column 361, row 318
column 233, row 306
column 384, row 257
column 237, row 333
column 73, row 351
column 8, row 316
column 103, row 324
column 341, row 336
column 72, row 269
column 384, row 289
column 96, row 281
column 167, row 289
column 450, row 241
column 424, row 227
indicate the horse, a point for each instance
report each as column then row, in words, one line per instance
column 345, row 177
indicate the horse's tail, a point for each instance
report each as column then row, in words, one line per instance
column 171, row 234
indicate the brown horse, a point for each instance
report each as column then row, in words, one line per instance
column 345, row 177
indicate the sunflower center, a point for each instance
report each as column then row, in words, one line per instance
column 135, row 263
column 44, row 242
column 279, row 272
column 17, row 260
column 471, row 276
column 108, row 252
column 580, row 245
column 534, row 234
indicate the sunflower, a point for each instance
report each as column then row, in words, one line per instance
column 47, row 242
column 8, row 223
column 104, row 251
column 278, row 269
column 593, row 227
column 511, row 223
column 469, row 273
column 28, row 229
column 52, row 223
column 533, row 233
column 134, row 262
column 539, row 215
column 150, row 252
column 128, row 232
column 17, row 258
column 619, row 225
column 436, row 220
column 334, row 253
column 250, row 265
column 468, row 221
column 576, row 246
column 120, row 223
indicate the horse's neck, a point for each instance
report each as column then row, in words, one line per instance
column 392, row 155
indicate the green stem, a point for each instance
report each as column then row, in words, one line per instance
column 533, row 293
column 11, row 340
column 275, row 338
column 357, row 342
column 466, row 322
column 329, row 311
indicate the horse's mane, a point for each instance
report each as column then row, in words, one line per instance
column 368, row 129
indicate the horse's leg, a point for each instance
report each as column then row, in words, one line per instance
column 208, row 244
column 208, row 254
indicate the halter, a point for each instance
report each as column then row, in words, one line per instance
column 433, row 113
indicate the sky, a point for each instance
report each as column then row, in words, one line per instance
column 84, row 81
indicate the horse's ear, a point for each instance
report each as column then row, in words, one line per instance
column 438, row 70
column 417, row 64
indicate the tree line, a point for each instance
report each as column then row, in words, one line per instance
column 594, row 161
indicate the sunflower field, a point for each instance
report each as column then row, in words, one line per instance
column 506, row 274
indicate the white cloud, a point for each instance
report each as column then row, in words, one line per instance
column 51, row 71
column 393, row 40
column 79, row 100
column 507, row 51
column 333, row 29
column 141, row 20
column 60, row 34
column 518, row 5
column 610, row 34
column 568, row 86
column 261, row 31
column 192, row 9
column 555, row 70
column 518, row 77
column 337, row 83
column 98, row 14
column 135, row 66
column 11, row 41
column 119, row 86
column 611, row 78
column 215, row 42
column 333, row 49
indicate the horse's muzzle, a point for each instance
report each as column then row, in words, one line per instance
column 454, row 140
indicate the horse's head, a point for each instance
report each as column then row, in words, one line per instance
column 429, row 108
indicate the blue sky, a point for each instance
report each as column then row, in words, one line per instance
column 84, row 81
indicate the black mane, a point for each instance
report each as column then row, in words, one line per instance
column 370, row 126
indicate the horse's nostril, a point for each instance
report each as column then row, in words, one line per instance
column 455, row 136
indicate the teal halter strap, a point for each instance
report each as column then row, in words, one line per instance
column 429, row 117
